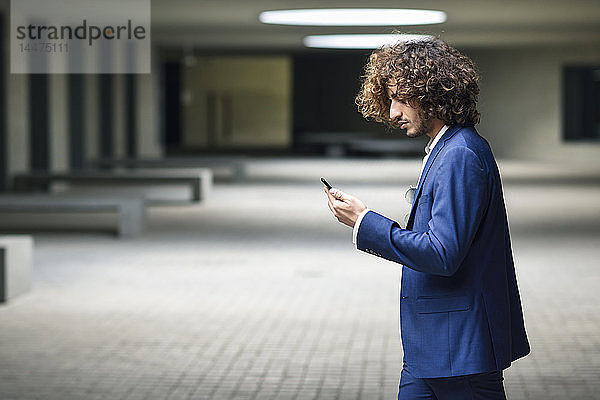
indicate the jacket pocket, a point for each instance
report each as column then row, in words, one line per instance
column 422, row 214
column 443, row 304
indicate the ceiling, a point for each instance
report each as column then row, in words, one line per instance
column 233, row 24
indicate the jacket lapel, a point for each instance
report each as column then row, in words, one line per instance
column 432, row 156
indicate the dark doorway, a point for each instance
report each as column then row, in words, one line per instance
column 3, row 133
column 581, row 103
column 76, row 121
column 131, row 115
column 172, row 105
column 106, row 116
column 38, row 128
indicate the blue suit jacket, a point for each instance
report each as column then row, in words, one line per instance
column 460, row 310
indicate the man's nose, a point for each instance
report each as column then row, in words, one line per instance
column 395, row 112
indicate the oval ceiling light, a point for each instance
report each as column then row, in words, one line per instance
column 353, row 17
column 356, row 41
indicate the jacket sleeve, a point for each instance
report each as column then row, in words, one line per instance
column 460, row 197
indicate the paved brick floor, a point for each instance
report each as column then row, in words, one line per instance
column 258, row 294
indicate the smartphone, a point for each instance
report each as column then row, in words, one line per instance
column 326, row 183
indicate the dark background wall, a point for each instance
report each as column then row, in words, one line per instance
column 172, row 115
column 325, row 86
column 3, row 134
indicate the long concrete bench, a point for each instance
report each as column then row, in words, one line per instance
column 16, row 255
column 236, row 169
column 335, row 144
column 200, row 179
column 339, row 143
column 131, row 211
column 387, row 146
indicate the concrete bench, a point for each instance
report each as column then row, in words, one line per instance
column 131, row 211
column 335, row 144
column 16, row 255
column 200, row 179
column 338, row 144
column 387, row 146
column 236, row 170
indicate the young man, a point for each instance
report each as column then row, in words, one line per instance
column 460, row 311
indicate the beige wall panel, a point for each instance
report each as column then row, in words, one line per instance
column 250, row 99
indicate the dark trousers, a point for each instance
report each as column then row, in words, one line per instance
column 485, row 386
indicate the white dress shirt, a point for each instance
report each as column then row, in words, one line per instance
column 428, row 148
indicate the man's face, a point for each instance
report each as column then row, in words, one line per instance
column 407, row 116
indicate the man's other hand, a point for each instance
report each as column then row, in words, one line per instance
column 345, row 208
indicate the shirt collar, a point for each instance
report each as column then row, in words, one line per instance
column 433, row 142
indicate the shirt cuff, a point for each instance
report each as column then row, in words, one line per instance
column 357, row 224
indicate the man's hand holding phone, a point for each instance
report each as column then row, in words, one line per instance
column 345, row 208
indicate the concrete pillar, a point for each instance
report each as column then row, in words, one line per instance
column 91, row 117
column 18, row 123
column 59, row 124
column 16, row 257
column 149, row 142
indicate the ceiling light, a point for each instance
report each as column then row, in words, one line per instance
column 358, row 41
column 353, row 17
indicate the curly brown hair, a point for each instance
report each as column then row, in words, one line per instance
column 429, row 74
